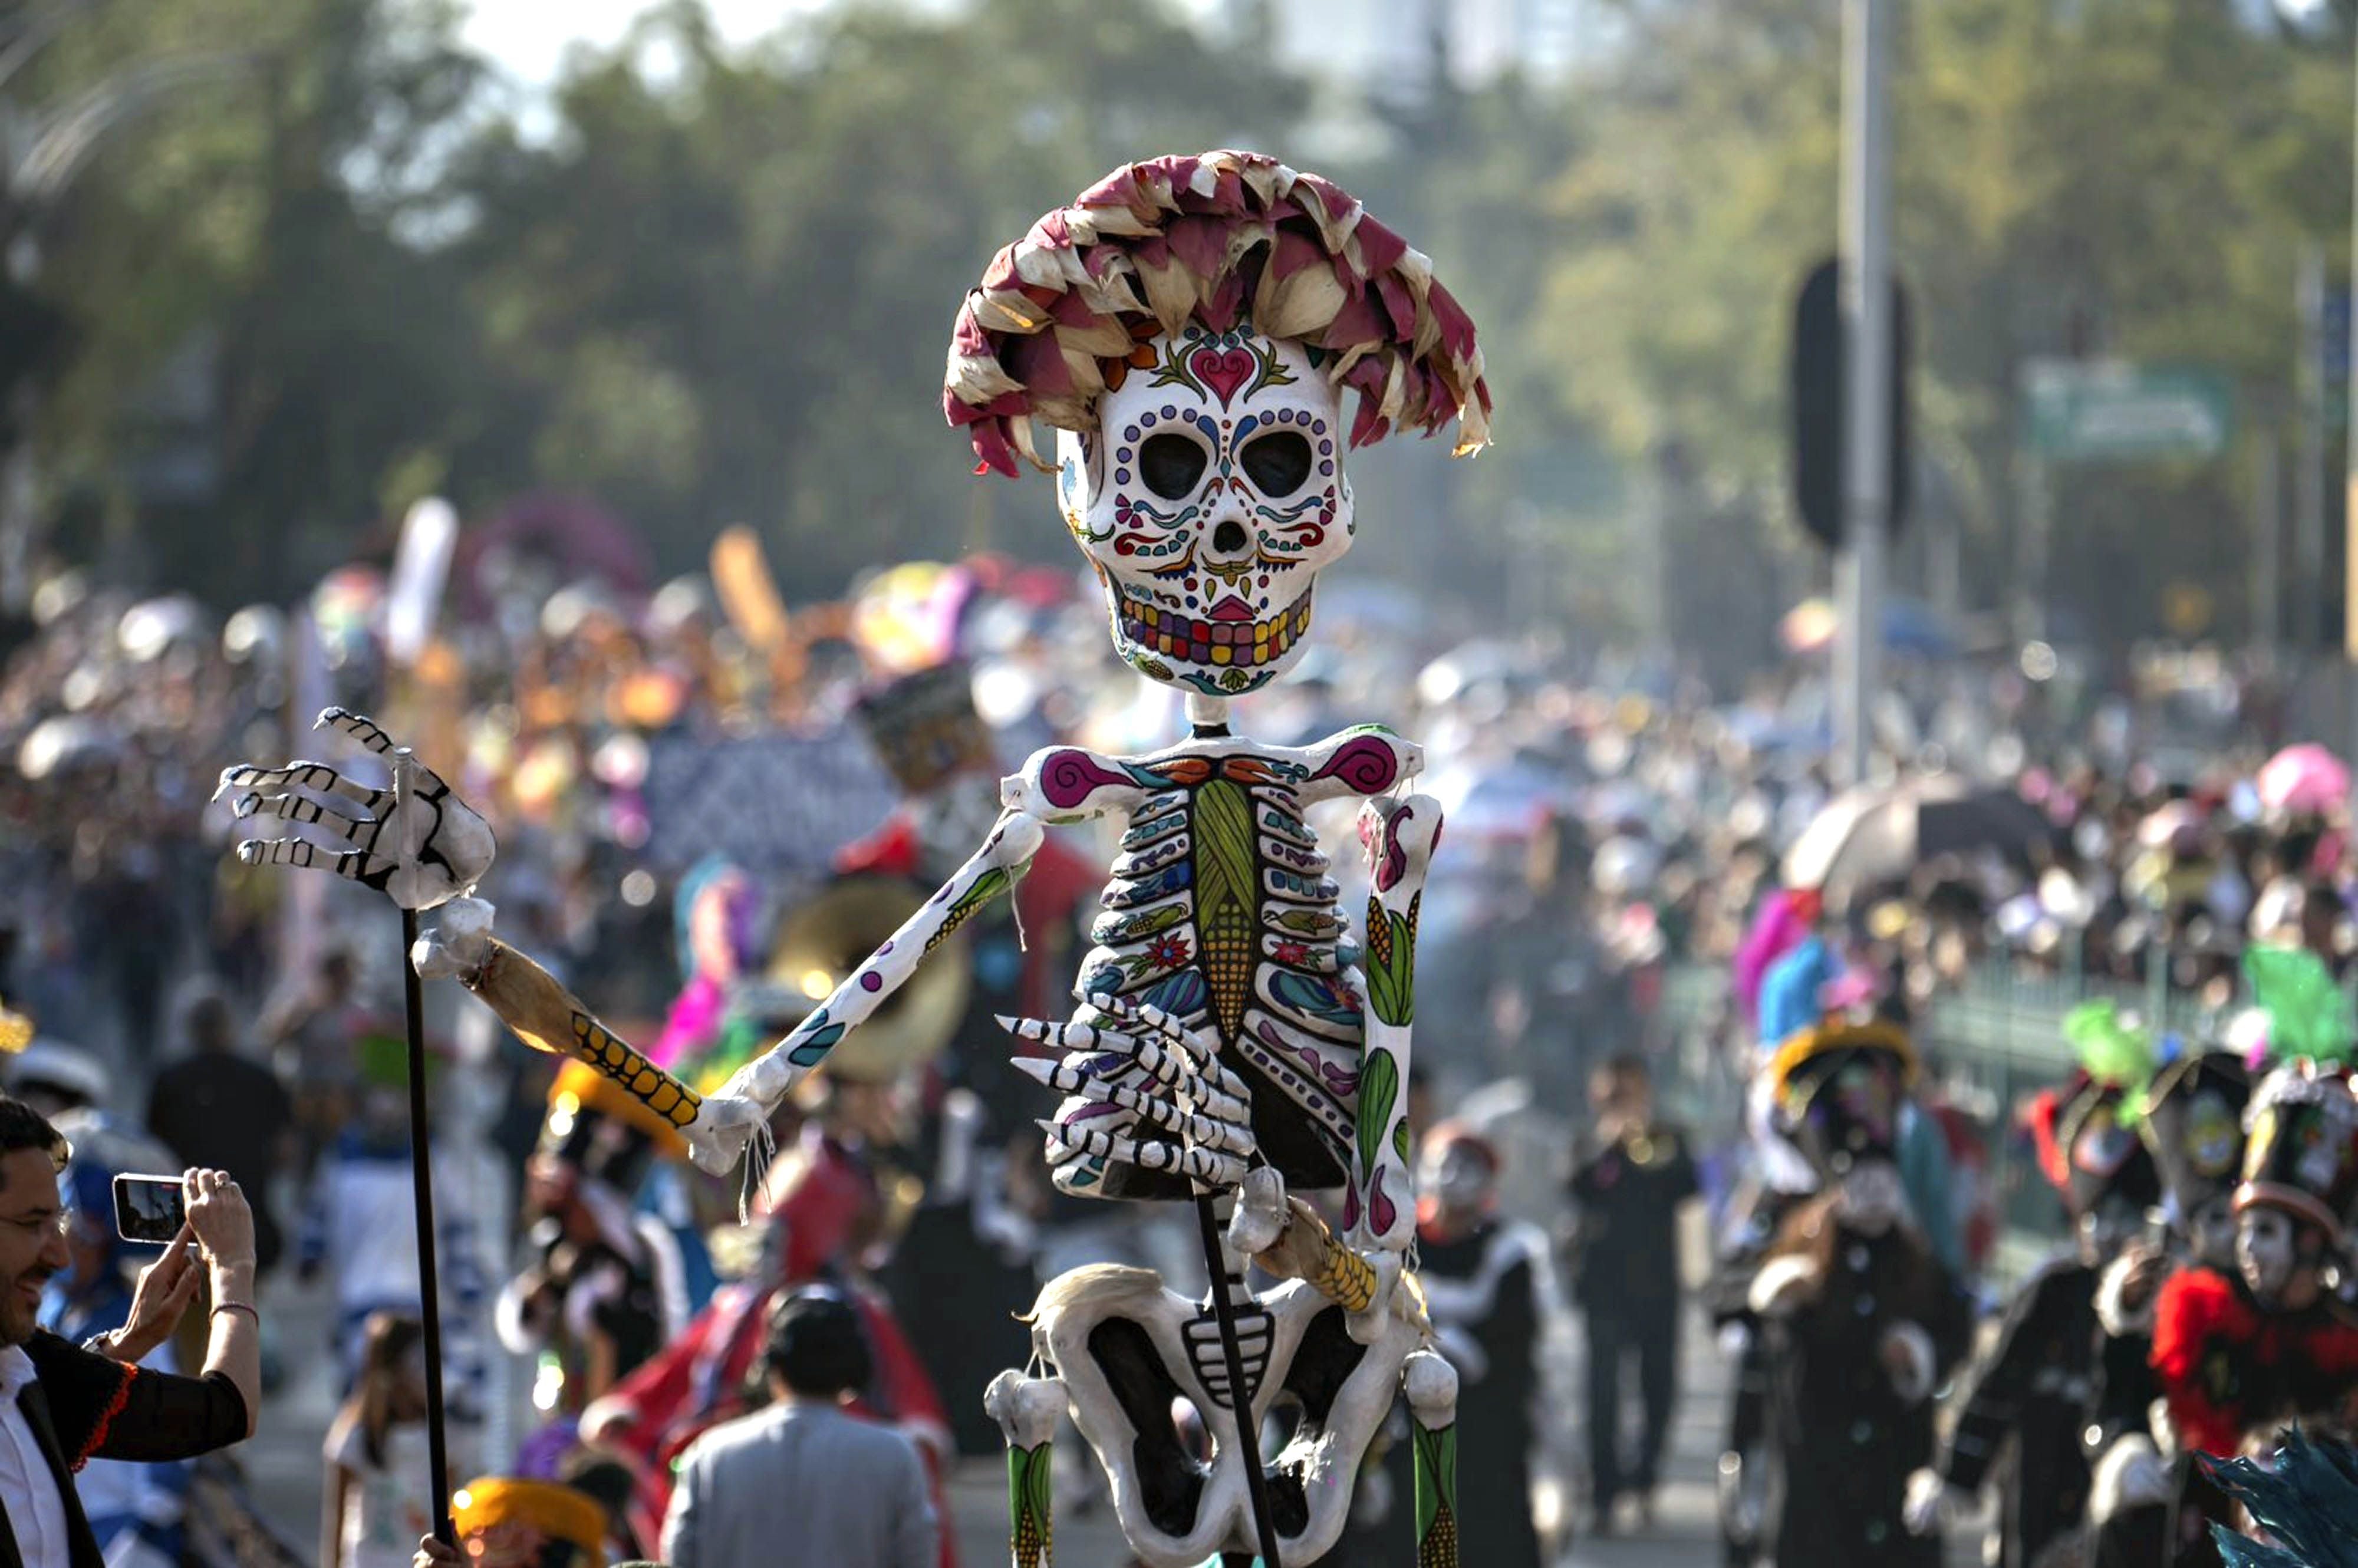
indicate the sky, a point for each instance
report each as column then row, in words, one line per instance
column 529, row 38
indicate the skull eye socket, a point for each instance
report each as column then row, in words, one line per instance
column 1170, row 465
column 1278, row 463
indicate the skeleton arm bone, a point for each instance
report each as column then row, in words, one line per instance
column 726, row 1121
column 539, row 1010
column 1399, row 837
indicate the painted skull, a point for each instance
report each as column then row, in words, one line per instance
column 2267, row 1252
column 1209, row 498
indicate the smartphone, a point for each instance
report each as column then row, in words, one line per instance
column 149, row 1208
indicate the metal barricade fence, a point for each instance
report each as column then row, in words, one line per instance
column 1988, row 1045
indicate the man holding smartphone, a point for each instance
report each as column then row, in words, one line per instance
column 62, row 1403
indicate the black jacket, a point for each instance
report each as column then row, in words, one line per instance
column 83, row 1406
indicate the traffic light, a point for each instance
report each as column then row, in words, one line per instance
column 1817, row 386
column 33, row 342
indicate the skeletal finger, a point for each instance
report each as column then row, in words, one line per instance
column 1081, row 1037
column 310, row 813
column 350, row 864
column 1197, row 1054
column 1201, row 1044
column 358, row 726
column 317, row 777
column 1197, row 1164
column 1205, row 1126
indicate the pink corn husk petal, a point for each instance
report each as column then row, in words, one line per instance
column 1224, row 305
column 1156, row 245
column 1170, row 292
column 1244, row 238
column 1103, row 337
column 992, row 449
column 1052, row 267
column 1081, row 369
column 1291, row 250
column 1020, row 430
column 1338, row 371
column 1356, row 323
column 1114, row 294
column 999, row 275
column 1266, row 181
column 978, row 380
column 1456, row 326
column 1323, row 199
column 1199, row 244
column 1302, row 306
column 1196, row 176
column 1009, row 311
column 1038, row 363
column 1395, row 388
column 966, row 336
column 1064, row 413
column 1399, row 306
column 1161, row 179
column 1379, row 249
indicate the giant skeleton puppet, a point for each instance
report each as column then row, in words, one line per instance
column 1188, row 326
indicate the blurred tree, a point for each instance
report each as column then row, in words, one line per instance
column 2132, row 178
column 722, row 291
column 256, row 339
column 712, row 285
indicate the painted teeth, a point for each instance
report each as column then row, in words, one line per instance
column 1245, row 642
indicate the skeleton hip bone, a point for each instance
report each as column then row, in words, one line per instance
column 1124, row 1347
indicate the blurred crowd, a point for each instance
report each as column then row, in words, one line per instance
column 676, row 770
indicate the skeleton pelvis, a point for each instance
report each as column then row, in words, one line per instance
column 1127, row 1348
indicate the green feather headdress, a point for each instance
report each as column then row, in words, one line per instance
column 2309, row 1014
column 2112, row 1051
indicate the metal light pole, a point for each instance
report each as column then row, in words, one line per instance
column 1866, row 404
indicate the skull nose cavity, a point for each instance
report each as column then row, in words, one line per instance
column 1230, row 539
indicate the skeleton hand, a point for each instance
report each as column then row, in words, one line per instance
column 420, row 850
column 1194, row 1113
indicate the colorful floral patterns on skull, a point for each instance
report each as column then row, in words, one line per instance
column 1209, row 500
column 2214, row 1136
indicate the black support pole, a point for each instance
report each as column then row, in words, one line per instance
column 430, row 1289
column 1239, row 1396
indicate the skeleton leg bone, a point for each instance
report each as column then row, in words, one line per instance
column 1027, row 1410
column 1430, row 1385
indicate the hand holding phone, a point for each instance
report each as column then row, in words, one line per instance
column 149, row 1209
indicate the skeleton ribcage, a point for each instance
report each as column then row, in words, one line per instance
column 1220, row 912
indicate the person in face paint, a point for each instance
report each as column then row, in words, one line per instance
column 1861, row 1319
column 2034, row 1395
column 2146, row 1503
column 1486, row 1285
column 2234, row 1351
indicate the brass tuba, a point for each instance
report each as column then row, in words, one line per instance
column 831, row 935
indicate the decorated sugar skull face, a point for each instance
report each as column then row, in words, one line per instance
column 2267, row 1251
column 1209, row 498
